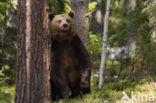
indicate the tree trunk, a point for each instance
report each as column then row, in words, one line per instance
column 33, row 54
column 104, row 45
column 131, row 4
column 81, row 20
column 96, row 25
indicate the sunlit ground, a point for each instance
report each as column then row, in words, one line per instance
column 137, row 91
column 7, row 94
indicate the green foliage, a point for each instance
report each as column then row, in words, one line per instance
column 96, row 64
column 146, row 47
column 118, row 24
column 140, row 27
column 6, row 76
column 7, row 49
column 7, row 94
column 8, row 56
column 95, row 45
column 5, row 98
column 118, row 36
column 58, row 6
column 3, row 7
column 92, row 5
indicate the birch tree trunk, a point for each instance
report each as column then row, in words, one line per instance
column 104, row 45
column 131, row 34
column 81, row 20
column 131, row 4
column 33, row 54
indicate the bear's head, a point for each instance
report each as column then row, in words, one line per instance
column 62, row 27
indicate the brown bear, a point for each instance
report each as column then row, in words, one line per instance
column 71, row 62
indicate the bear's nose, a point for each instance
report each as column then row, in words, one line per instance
column 65, row 25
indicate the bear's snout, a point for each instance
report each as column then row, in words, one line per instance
column 65, row 27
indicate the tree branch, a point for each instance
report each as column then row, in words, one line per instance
column 91, row 12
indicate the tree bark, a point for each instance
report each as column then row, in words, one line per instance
column 96, row 25
column 33, row 53
column 81, row 20
column 104, row 45
column 131, row 34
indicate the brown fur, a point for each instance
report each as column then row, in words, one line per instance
column 71, row 63
column 56, row 28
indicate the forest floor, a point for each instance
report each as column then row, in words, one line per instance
column 113, row 91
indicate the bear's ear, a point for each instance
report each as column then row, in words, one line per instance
column 72, row 14
column 51, row 16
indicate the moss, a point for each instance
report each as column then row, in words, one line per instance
column 112, row 91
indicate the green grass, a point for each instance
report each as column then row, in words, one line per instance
column 7, row 94
column 112, row 91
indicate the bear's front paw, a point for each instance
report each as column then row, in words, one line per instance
column 85, row 87
column 84, row 84
column 66, row 93
column 84, row 91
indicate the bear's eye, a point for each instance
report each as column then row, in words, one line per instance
column 59, row 21
column 67, row 20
